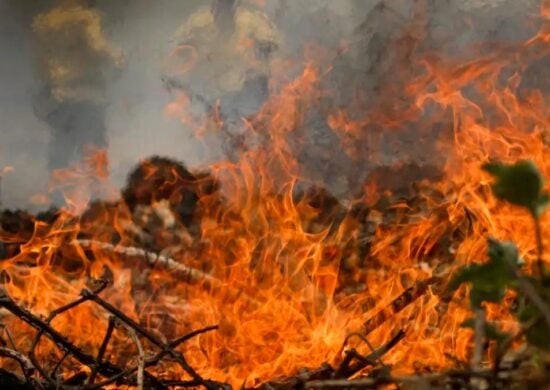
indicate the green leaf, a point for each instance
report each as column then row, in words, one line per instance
column 486, row 293
column 520, row 184
column 504, row 255
column 464, row 275
column 489, row 280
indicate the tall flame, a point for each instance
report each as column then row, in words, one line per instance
column 291, row 283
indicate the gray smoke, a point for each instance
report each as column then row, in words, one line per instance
column 24, row 139
column 132, row 122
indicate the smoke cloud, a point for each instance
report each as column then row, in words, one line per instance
column 120, row 68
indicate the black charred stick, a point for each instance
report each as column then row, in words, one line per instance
column 38, row 366
column 114, row 379
column 156, row 359
column 178, row 357
column 347, row 369
column 10, row 337
column 102, row 349
column 99, row 365
column 90, row 295
column 59, row 363
column 40, row 333
column 75, row 380
column 107, row 369
column 151, row 383
column 345, row 366
column 190, row 335
column 398, row 304
column 163, row 384
column 103, row 284
column 63, row 309
column 174, row 344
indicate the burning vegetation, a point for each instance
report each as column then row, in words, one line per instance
column 254, row 271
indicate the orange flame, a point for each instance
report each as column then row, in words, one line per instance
column 292, row 283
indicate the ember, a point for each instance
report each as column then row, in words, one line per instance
column 319, row 250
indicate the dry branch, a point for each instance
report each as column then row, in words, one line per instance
column 141, row 355
column 154, row 260
column 61, row 341
column 180, row 271
column 112, row 373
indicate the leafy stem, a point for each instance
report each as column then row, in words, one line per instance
column 540, row 245
column 520, row 184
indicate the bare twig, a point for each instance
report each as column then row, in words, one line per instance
column 10, row 337
column 154, row 260
column 350, row 365
column 348, row 370
column 174, row 344
column 61, row 341
column 177, row 356
column 102, row 349
column 156, row 359
column 40, row 333
column 180, row 271
column 141, row 354
column 59, row 363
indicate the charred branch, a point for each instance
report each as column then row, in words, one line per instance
column 133, row 376
column 352, row 364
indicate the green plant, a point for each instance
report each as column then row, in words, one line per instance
column 520, row 184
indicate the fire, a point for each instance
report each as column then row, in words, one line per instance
column 288, row 284
column 6, row 169
column 84, row 180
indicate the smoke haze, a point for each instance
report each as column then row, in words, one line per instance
column 133, row 101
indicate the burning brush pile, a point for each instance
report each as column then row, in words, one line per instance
column 248, row 273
